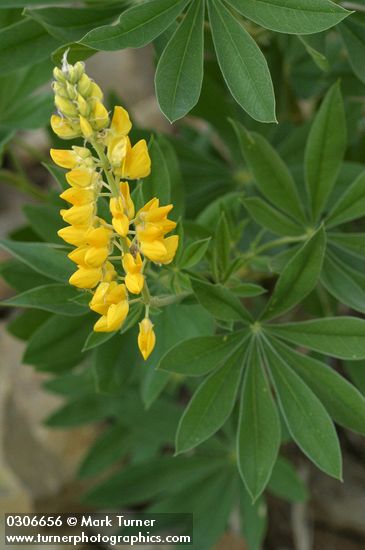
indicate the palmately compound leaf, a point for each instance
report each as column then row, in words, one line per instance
column 307, row 420
column 242, row 63
column 258, row 436
column 179, row 74
column 211, row 405
column 299, row 277
column 325, row 149
column 292, row 16
column 350, row 205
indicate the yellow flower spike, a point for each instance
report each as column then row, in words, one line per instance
column 86, row 277
column 154, row 250
column 64, row 129
column 171, row 244
column 78, row 196
column 99, row 237
column 81, row 177
column 79, row 215
column 126, row 199
column 73, row 235
column 116, row 315
column 134, row 279
column 100, row 116
column 98, row 301
column 146, row 338
column 86, row 128
column 95, row 257
column 137, row 162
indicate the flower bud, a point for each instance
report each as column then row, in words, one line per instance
column 65, row 106
column 86, row 128
column 84, row 85
column 146, row 338
column 83, row 106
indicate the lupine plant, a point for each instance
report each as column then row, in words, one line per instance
column 211, row 343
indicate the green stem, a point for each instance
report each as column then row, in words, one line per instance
column 106, row 168
column 161, row 301
column 278, row 242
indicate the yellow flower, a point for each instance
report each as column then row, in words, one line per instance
column 73, row 234
column 146, row 338
column 64, row 129
column 100, row 117
column 86, row 128
column 121, row 124
column 86, row 277
column 137, row 161
column 153, row 250
column 109, row 272
column 99, row 236
column 78, row 196
column 171, row 244
column 82, row 177
column 134, row 278
column 120, row 220
column 111, row 300
column 71, row 158
column 79, row 215
column 126, row 199
column 96, row 256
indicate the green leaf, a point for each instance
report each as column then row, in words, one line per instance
column 254, row 519
column 299, row 277
column 286, row 484
column 271, row 174
column 248, row 290
column 342, row 400
column 175, row 323
column 221, row 248
column 242, row 63
column 41, row 257
column 158, row 183
column 352, row 243
column 84, row 409
column 308, row 421
column 198, row 356
column 177, row 185
column 24, row 3
column 137, row 26
column 325, row 149
column 315, row 46
column 271, row 218
column 350, row 206
column 258, row 436
column 113, row 362
column 211, row 405
column 25, row 324
column 179, row 73
column 45, row 221
column 141, row 482
column 194, row 253
column 341, row 337
column 219, row 301
column 17, row 40
column 58, row 341
column 292, row 16
column 106, row 450
column 71, row 24
column 54, row 298
column 353, row 35
column 344, row 283
column 19, row 276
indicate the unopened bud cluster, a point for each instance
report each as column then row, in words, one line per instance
column 111, row 259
